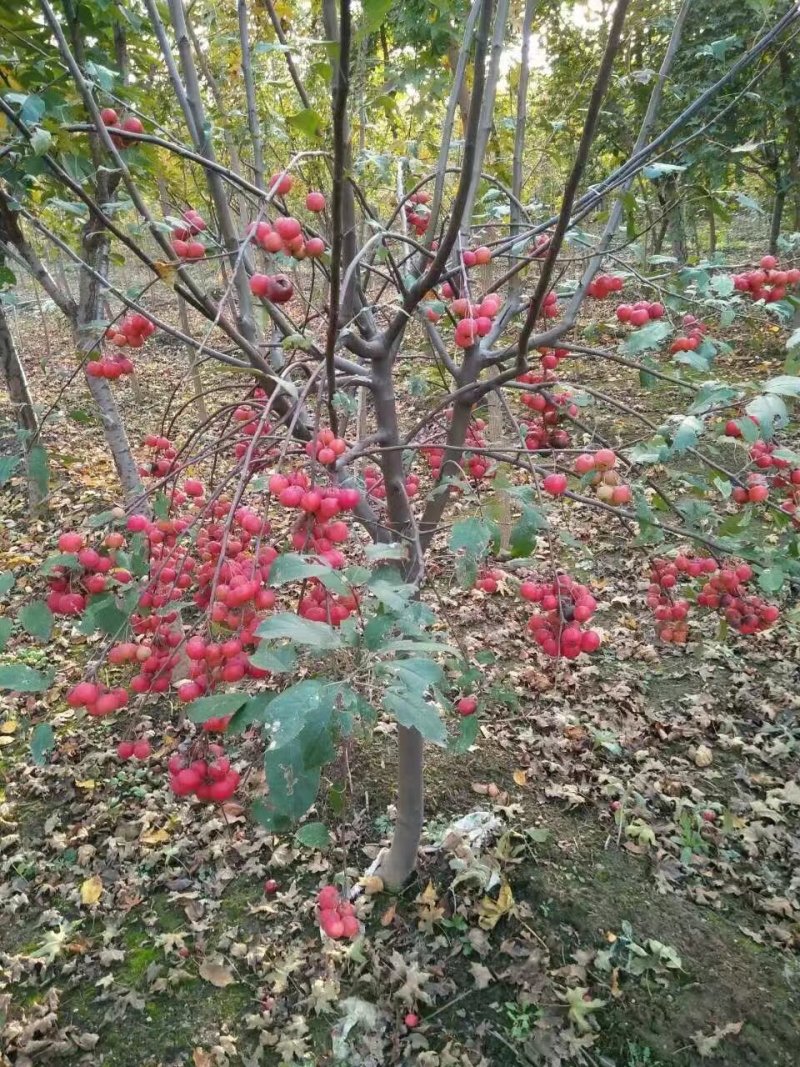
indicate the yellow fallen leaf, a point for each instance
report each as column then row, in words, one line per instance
column 520, row 777
column 8, row 727
column 92, row 890
column 166, row 272
column 5, row 740
column 155, row 837
column 87, row 783
column 372, row 884
column 492, row 911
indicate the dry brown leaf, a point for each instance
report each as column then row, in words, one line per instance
column 520, row 777
column 154, row 837
column 216, row 974
column 388, row 916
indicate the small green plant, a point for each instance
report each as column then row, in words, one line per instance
column 521, row 1019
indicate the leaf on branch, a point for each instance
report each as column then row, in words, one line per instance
column 647, row 337
column 21, row 679
column 303, row 631
column 306, row 121
column 42, row 743
column 37, row 619
column 212, row 707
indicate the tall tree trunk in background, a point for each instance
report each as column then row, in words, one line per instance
column 792, row 114
column 94, row 249
column 676, row 221
column 712, row 232
column 12, row 373
column 778, row 204
column 463, row 92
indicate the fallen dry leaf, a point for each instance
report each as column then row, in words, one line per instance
column 92, row 890
column 217, row 974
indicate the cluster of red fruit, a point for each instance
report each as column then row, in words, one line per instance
column 109, row 366
column 134, row 749
column 693, row 337
column 183, row 243
column 326, row 447
column 724, row 592
column 769, row 283
column 568, row 605
column 671, row 614
column 478, row 465
column 286, row 235
column 416, row 218
column 250, row 426
column 320, row 605
column 785, row 479
column 489, row 580
column 97, row 699
column 163, row 461
column 91, row 572
column 131, row 332
column 478, row 257
column 640, row 313
column 755, row 492
column 337, row 917
column 277, row 288
column 551, row 357
column 602, row 285
column 474, row 320
column 608, row 485
column 131, row 124
column 209, row 779
column 552, row 409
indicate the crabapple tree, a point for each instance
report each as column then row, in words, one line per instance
column 396, row 364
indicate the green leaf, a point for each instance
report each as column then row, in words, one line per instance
column 21, row 679
column 646, row 337
column 770, row 412
column 37, row 619
column 467, row 733
column 523, row 534
column 772, row 579
column 390, row 590
column 41, row 141
column 375, row 12
column 306, row 121
column 783, row 385
column 215, row 706
column 411, row 710
column 415, row 674
column 291, row 567
column 687, row 433
column 473, row 536
column 39, row 468
column 379, row 551
column 306, row 702
column 302, row 631
column 314, row 835
column 254, row 711
column 279, row 660
column 7, row 579
column 42, row 743
column 292, row 787
column 59, row 559
column 6, row 628
column 8, row 464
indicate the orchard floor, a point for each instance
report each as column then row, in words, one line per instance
column 635, row 905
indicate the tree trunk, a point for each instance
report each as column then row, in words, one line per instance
column 13, row 374
column 712, row 233
column 777, row 217
column 95, row 246
column 676, row 221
